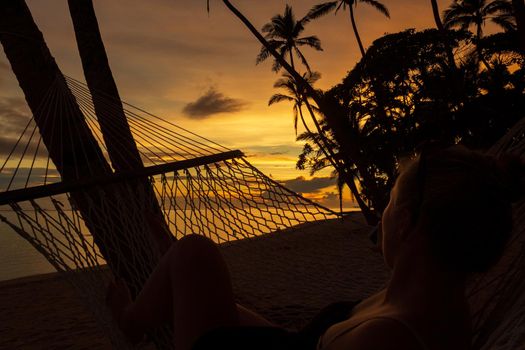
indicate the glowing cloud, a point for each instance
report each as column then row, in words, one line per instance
column 212, row 102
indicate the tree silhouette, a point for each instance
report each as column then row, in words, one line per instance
column 283, row 35
column 337, row 128
column 467, row 13
column 294, row 95
column 519, row 13
column 441, row 28
column 400, row 94
column 324, row 8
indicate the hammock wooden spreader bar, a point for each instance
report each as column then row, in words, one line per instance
column 63, row 187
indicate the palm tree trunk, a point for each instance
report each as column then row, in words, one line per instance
column 442, row 30
column 356, row 32
column 519, row 13
column 437, row 16
column 381, row 110
column 343, row 171
column 479, row 49
column 36, row 71
column 75, row 157
column 115, row 129
column 123, row 154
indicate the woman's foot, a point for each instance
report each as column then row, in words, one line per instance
column 118, row 300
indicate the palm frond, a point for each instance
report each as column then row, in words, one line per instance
column 276, row 66
column 319, row 11
column 312, row 41
column 276, row 98
column 268, row 27
column 462, row 22
column 282, row 52
column 302, row 58
column 507, row 22
column 498, row 6
column 311, row 77
column 378, row 6
column 454, row 12
column 263, row 55
column 295, row 117
column 307, row 136
column 285, row 82
column 341, row 3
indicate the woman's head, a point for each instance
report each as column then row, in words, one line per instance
column 461, row 200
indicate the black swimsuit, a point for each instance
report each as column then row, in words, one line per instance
column 259, row 338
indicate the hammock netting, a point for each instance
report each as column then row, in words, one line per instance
column 195, row 186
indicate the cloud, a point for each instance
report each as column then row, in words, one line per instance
column 3, row 69
column 301, row 185
column 14, row 115
column 212, row 102
column 153, row 44
column 331, row 200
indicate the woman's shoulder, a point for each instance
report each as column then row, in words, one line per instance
column 368, row 319
column 379, row 326
column 363, row 335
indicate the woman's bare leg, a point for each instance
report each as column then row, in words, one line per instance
column 202, row 292
column 191, row 286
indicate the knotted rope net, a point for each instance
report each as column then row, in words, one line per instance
column 195, row 186
column 192, row 183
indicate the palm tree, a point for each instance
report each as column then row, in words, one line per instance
column 282, row 33
column 467, row 13
column 75, row 151
column 326, row 147
column 295, row 95
column 330, row 110
column 121, row 148
column 448, row 48
column 324, row 8
column 437, row 17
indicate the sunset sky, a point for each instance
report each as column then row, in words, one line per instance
column 198, row 70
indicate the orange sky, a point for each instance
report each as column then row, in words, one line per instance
column 166, row 54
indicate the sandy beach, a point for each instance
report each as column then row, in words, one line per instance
column 287, row 276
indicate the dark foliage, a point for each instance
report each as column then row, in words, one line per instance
column 422, row 98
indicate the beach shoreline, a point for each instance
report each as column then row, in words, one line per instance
column 44, row 311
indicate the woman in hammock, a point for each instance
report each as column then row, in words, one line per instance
column 449, row 215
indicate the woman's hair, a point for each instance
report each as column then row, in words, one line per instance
column 463, row 200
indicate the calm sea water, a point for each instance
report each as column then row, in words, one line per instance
column 19, row 259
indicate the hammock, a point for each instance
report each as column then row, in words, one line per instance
column 200, row 187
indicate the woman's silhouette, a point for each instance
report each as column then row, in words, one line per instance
column 449, row 216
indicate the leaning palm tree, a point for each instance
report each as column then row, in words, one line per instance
column 326, row 149
column 324, row 8
column 283, row 34
column 338, row 126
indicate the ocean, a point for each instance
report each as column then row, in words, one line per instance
column 18, row 258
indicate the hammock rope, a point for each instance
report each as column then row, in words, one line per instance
column 201, row 187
